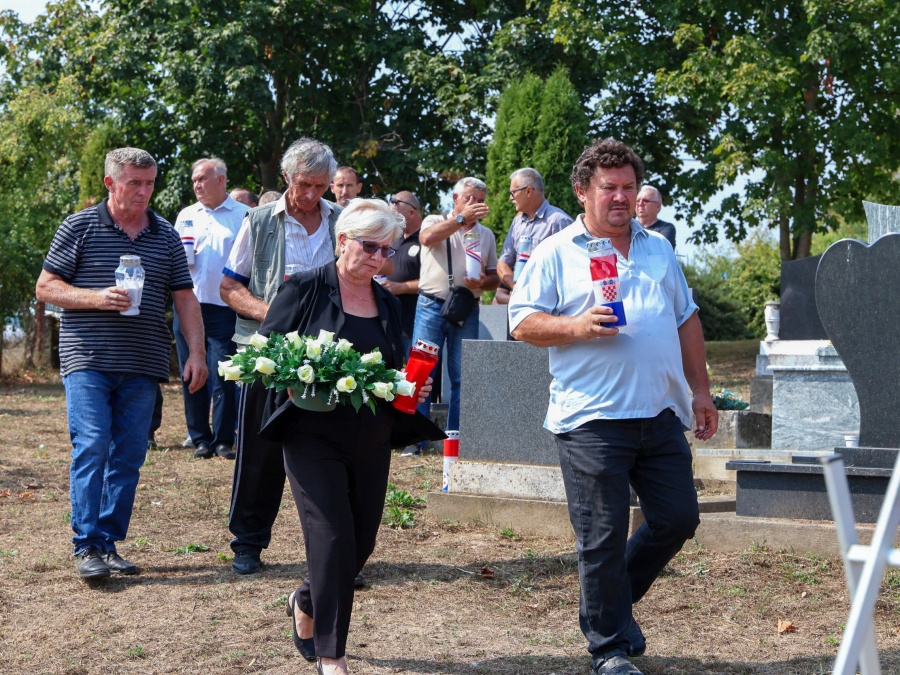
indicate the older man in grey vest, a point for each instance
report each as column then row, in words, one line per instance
column 293, row 234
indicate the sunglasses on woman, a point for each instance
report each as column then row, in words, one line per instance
column 370, row 247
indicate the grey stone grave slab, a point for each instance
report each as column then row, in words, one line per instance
column 799, row 316
column 797, row 489
column 504, row 401
column 493, row 322
column 814, row 404
column 857, row 287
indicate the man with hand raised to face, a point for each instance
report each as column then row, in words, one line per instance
column 620, row 398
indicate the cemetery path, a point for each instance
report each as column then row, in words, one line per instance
column 442, row 597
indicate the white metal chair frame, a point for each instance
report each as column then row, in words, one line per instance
column 863, row 565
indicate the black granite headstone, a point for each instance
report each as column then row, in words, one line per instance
column 799, row 317
column 857, row 291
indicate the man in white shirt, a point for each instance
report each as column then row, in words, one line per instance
column 213, row 223
column 292, row 234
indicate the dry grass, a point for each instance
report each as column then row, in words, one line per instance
column 432, row 606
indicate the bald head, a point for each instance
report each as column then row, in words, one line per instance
column 407, row 205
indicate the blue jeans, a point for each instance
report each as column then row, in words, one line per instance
column 599, row 460
column 221, row 396
column 431, row 326
column 109, row 418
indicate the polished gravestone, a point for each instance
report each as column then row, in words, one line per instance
column 856, row 291
column 799, row 316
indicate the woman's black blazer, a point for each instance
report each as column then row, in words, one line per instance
column 310, row 301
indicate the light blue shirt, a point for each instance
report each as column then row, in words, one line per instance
column 548, row 219
column 637, row 373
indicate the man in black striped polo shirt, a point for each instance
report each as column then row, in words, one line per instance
column 111, row 364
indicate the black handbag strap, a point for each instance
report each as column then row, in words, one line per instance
column 449, row 265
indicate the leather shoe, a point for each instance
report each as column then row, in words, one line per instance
column 246, row 561
column 306, row 646
column 613, row 664
column 224, row 451
column 359, row 581
column 90, row 564
column 637, row 645
column 203, row 451
column 118, row 565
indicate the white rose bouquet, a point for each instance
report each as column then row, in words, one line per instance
column 317, row 366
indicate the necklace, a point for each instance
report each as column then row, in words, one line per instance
column 347, row 284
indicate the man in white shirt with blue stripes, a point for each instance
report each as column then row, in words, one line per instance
column 213, row 221
column 620, row 397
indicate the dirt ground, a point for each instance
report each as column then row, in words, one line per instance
column 443, row 598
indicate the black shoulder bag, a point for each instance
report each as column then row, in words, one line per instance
column 460, row 302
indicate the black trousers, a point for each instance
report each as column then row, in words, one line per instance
column 599, row 460
column 337, row 464
column 258, row 475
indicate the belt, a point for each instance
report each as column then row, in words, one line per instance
column 438, row 300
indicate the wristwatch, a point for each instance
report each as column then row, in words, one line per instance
column 461, row 219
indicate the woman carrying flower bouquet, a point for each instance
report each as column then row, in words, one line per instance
column 337, row 461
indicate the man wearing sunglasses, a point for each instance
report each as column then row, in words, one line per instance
column 647, row 206
column 536, row 218
column 403, row 270
column 290, row 235
column 434, row 284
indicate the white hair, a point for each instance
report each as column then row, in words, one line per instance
column 369, row 219
column 471, row 182
column 308, row 156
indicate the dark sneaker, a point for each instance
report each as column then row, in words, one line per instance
column 90, row 565
column 118, row 565
column 246, row 561
column 359, row 581
column 224, row 451
column 637, row 645
column 614, row 664
column 203, row 451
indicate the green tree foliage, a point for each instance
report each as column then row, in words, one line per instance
column 40, row 135
column 798, row 100
column 515, row 135
column 562, row 135
column 748, row 279
column 720, row 314
column 541, row 124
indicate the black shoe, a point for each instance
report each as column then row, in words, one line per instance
column 637, row 645
column 90, row 564
column 224, row 451
column 203, row 451
column 118, row 565
column 613, row 663
column 359, row 581
column 306, row 646
column 246, row 561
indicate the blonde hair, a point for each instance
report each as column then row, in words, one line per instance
column 369, row 219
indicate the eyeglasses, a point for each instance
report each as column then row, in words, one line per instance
column 640, row 202
column 393, row 200
column 371, row 248
column 512, row 193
